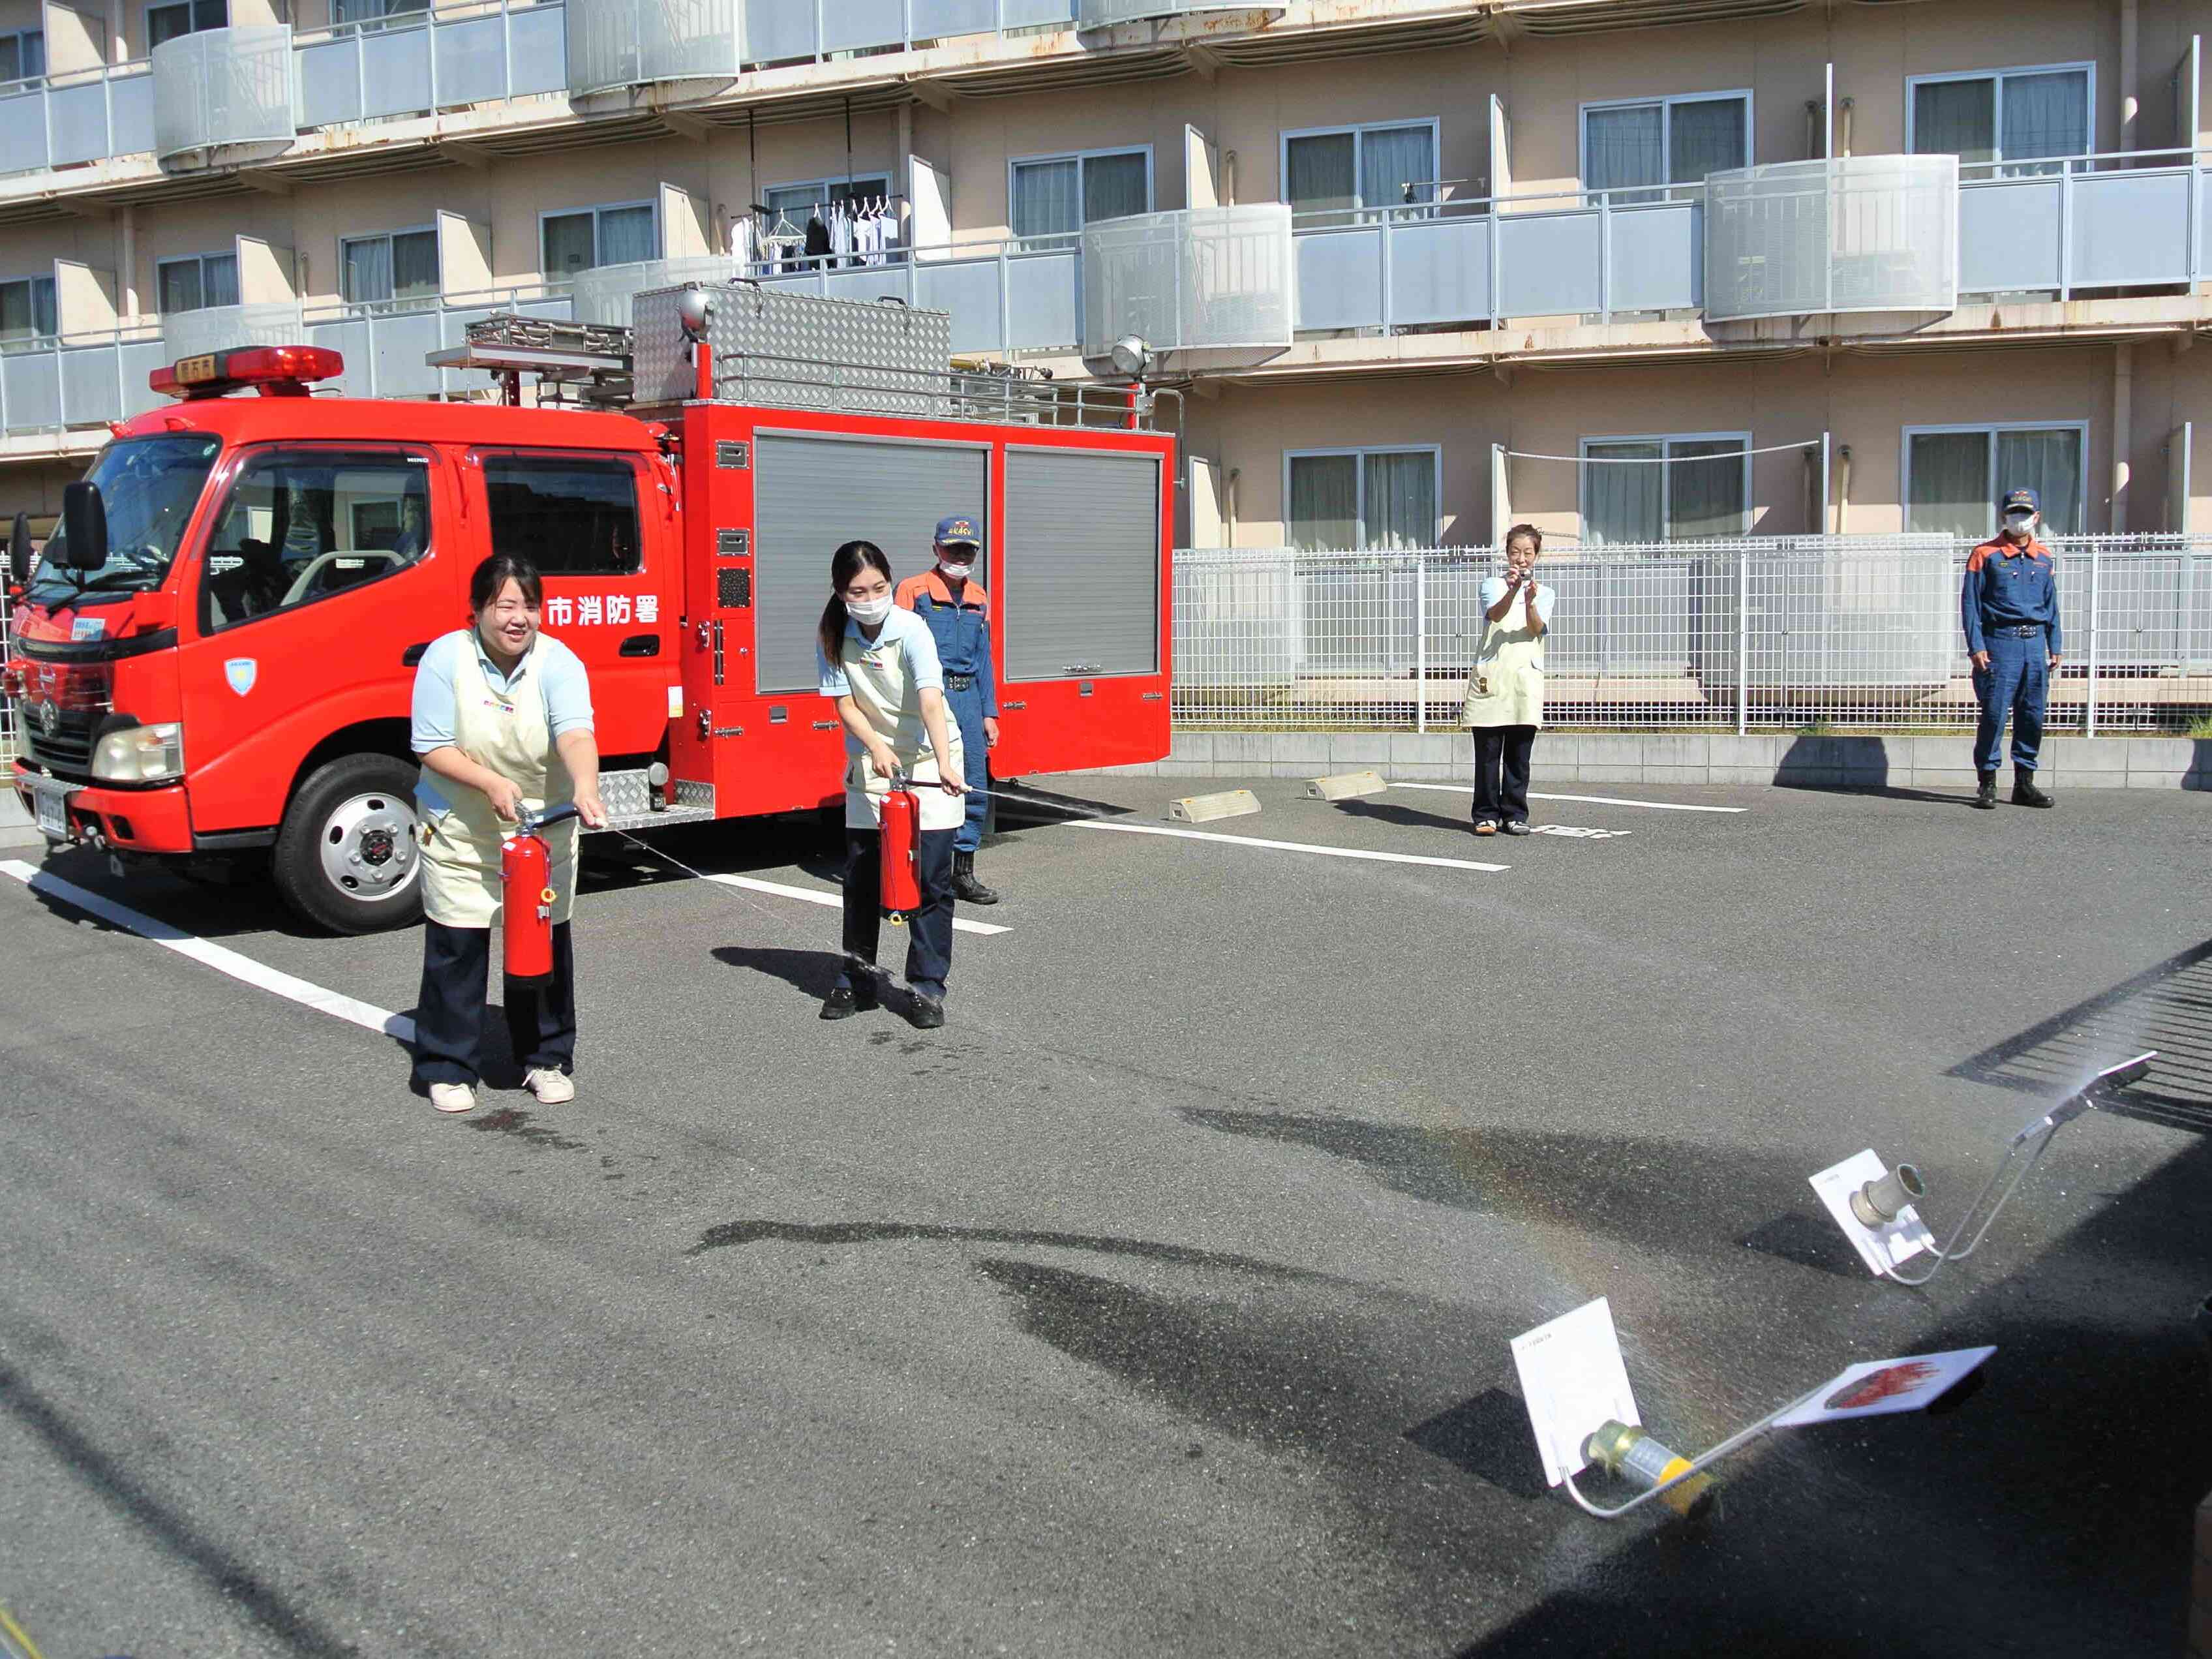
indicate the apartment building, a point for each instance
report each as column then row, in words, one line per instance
column 1633, row 271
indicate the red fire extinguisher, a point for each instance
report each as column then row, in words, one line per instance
column 526, row 898
column 902, row 852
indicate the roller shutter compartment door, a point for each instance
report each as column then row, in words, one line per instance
column 1081, row 588
column 811, row 495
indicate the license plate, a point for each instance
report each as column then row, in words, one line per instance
column 52, row 810
column 190, row 371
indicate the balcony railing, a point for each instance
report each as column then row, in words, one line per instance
column 1203, row 280
column 416, row 62
column 1858, row 232
column 51, row 385
column 2110, row 221
column 614, row 43
column 1105, row 14
column 225, row 328
column 224, row 95
column 780, row 31
column 383, row 345
column 65, row 120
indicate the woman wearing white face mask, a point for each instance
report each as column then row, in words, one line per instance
column 881, row 665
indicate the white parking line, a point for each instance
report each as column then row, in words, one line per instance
column 834, row 901
column 223, row 961
column 1594, row 801
column 1285, row 846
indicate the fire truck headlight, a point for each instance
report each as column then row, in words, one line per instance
column 141, row 754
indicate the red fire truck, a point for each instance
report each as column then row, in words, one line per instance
column 216, row 656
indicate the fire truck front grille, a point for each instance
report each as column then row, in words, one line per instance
column 67, row 752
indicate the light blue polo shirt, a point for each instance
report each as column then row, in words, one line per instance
column 917, row 649
column 567, row 698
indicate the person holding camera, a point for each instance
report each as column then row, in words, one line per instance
column 1504, row 700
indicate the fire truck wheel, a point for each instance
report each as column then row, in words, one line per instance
column 348, row 858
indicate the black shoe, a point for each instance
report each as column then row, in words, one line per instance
column 965, row 887
column 2023, row 792
column 1515, row 827
column 1985, row 797
column 847, row 1000
column 925, row 1013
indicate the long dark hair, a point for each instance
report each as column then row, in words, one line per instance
column 847, row 563
column 493, row 576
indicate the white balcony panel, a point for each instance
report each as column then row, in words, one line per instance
column 1549, row 264
column 2009, row 234
column 621, row 43
column 777, row 29
column 31, row 391
column 1655, row 256
column 223, row 95
column 968, row 289
column 225, row 328
column 1105, row 14
column 80, row 126
column 1440, row 271
column 470, row 59
column 537, row 49
column 1340, row 277
column 1860, row 233
column 1200, row 279
column 1025, row 13
column 2131, row 228
column 945, row 19
column 350, row 338
column 1043, row 312
column 858, row 25
column 395, row 71
column 604, row 295
column 23, row 131
column 866, row 283
column 329, row 82
column 91, row 383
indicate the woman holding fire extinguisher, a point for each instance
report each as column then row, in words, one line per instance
column 503, row 724
column 880, row 663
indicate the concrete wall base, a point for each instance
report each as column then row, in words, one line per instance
column 1861, row 762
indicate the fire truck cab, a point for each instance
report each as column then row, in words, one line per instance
column 216, row 657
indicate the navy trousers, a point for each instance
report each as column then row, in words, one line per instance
column 1501, row 772
column 967, row 709
column 449, row 1009
column 929, row 932
column 2017, row 682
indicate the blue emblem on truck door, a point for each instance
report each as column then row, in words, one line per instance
column 241, row 671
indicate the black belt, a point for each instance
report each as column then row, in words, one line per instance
column 2023, row 631
column 959, row 682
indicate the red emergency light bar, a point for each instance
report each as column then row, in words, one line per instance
column 279, row 371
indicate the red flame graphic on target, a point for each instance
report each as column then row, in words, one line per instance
column 1888, row 1384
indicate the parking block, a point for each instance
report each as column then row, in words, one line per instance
column 1345, row 786
column 1203, row 809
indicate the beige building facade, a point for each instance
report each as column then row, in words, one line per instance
column 1633, row 272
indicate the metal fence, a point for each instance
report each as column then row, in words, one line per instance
column 7, row 704
column 1760, row 633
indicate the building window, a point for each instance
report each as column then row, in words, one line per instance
column 377, row 11
column 1362, row 500
column 22, row 55
column 1952, row 475
column 26, row 313
column 196, row 282
column 402, row 265
column 1058, row 195
column 184, row 17
column 1341, row 169
column 570, row 515
column 797, row 202
column 1663, row 141
column 2003, row 115
column 1666, row 488
column 591, row 237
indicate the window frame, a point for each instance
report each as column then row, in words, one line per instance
column 1913, row 82
column 479, row 456
column 1360, row 452
column 1666, row 440
column 1665, row 101
column 595, row 208
column 236, row 469
column 19, row 36
column 1359, row 132
column 824, row 183
column 430, row 230
column 200, row 260
column 1081, row 158
column 191, row 8
column 53, row 304
column 1991, row 429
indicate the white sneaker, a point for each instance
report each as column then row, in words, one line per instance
column 552, row 1088
column 452, row 1096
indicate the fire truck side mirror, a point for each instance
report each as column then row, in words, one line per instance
column 84, row 526
column 19, row 550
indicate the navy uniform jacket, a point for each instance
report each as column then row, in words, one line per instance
column 963, row 630
column 2009, row 586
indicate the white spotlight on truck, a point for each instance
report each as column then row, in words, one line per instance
column 1131, row 356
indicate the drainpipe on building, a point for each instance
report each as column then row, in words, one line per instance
column 1844, row 133
column 127, row 250
column 2124, row 375
column 1228, row 503
column 1229, row 178
column 2128, row 101
column 1844, row 489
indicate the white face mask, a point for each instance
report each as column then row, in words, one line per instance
column 958, row 572
column 870, row 612
column 2020, row 524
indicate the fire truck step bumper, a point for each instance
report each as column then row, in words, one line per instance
column 630, row 799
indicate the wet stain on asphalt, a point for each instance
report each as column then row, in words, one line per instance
column 736, row 1233
column 511, row 1121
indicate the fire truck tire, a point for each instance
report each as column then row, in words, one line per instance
column 348, row 858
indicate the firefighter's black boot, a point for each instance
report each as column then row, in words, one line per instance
column 1986, row 797
column 965, row 887
column 2023, row 792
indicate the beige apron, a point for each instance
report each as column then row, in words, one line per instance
column 876, row 677
column 1507, row 685
column 508, row 734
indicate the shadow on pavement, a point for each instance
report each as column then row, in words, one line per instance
column 1409, row 817
column 810, row 972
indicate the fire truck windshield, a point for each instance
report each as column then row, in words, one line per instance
column 149, row 487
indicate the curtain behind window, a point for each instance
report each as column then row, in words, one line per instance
column 1622, row 503
column 179, row 282
column 1391, row 159
column 1324, row 503
column 1702, row 137
column 1116, row 187
column 1400, row 508
column 23, row 56
column 1624, row 148
column 1047, row 200
column 2047, row 115
column 1705, row 497
column 1955, row 117
column 1323, row 177
column 219, row 279
column 568, row 245
column 366, row 278
column 2049, row 464
column 414, row 264
column 26, row 309
column 626, row 236
column 1950, row 485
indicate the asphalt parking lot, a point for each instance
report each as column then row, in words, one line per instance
column 1160, row 1302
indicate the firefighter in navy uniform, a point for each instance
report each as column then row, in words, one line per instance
column 957, row 610
column 2009, row 607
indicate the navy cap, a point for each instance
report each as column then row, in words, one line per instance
column 2016, row 499
column 953, row 532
